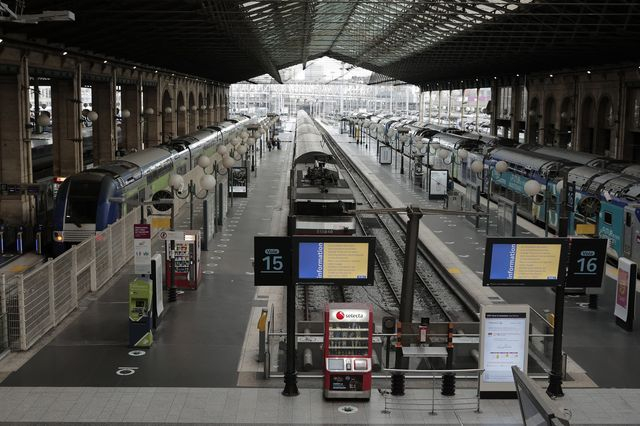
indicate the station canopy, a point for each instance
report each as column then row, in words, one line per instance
column 416, row 41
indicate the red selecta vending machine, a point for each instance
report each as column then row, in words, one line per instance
column 187, row 260
column 347, row 350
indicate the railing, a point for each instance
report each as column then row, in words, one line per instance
column 466, row 349
column 449, row 403
column 35, row 302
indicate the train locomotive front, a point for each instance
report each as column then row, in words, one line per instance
column 320, row 197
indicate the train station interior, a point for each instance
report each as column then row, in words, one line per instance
column 319, row 212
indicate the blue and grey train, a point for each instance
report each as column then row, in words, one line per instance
column 91, row 200
column 607, row 192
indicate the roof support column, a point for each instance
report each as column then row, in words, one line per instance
column 150, row 99
column 225, row 103
column 103, row 100
column 494, row 107
column 515, row 109
column 421, row 106
column 15, row 147
column 131, row 126
column 67, row 129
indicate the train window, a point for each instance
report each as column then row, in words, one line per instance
column 608, row 218
column 627, row 219
column 82, row 204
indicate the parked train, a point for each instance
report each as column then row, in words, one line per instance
column 607, row 192
column 90, row 200
column 319, row 196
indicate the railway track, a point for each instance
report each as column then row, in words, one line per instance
column 434, row 294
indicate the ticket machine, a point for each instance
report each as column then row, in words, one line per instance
column 140, row 321
column 347, row 350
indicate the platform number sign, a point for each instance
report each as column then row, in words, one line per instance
column 272, row 261
column 587, row 261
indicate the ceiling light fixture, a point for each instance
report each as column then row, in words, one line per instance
column 65, row 53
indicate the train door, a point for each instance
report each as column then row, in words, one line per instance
column 631, row 245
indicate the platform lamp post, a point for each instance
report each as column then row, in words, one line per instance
column 432, row 148
column 221, row 166
column 500, row 167
column 253, row 132
column 419, row 149
column 403, row 137
column 554, row 389
column 262, row 132
column 463, row 154
column 176, row 182
column 392, row 135
column 207, row 182
column 148, row 112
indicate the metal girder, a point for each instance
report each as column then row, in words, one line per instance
column 416, row 41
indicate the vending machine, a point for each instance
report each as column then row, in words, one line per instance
column 187, row 260
column 347, row 350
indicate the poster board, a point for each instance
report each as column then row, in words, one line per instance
column 504, row 341
column 624, row 310
column 529, row 262
column 238, row 186
column 438, row 181
column 385, row 155
column 326, row 260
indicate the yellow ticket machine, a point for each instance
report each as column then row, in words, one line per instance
column 140, row 292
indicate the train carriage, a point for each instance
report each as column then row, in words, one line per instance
column 320, row 197
column 91, row 200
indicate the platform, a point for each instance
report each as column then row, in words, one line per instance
column 202, row 367
column 588, row 334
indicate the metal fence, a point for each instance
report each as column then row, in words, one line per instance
column 458, row 402
column 35, row 302
column 506, row 217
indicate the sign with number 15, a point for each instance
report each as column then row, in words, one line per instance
column 272, row 261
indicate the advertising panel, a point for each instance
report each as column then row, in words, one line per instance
column 625, row 293
column 385, row 155
column 438, row 181
column 142, row 248
column 503, row 342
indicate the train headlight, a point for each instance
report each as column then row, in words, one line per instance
column 58, row 237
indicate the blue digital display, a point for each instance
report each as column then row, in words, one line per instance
column 311, row 260
column 503, row 259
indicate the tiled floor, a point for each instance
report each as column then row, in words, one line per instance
column 252, row 406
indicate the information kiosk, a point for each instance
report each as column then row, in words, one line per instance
column 347, row 350
column 187, row 259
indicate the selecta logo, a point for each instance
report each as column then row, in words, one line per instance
column 349, row 315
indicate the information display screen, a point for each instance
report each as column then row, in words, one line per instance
column 334, row 260
column 525, row 261
column 504, row 345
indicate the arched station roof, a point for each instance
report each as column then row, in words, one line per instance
column 417, row 41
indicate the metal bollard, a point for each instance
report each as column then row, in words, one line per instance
column 449, row 379
column 19, row 247
column 38, row 240
column 262, row 328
